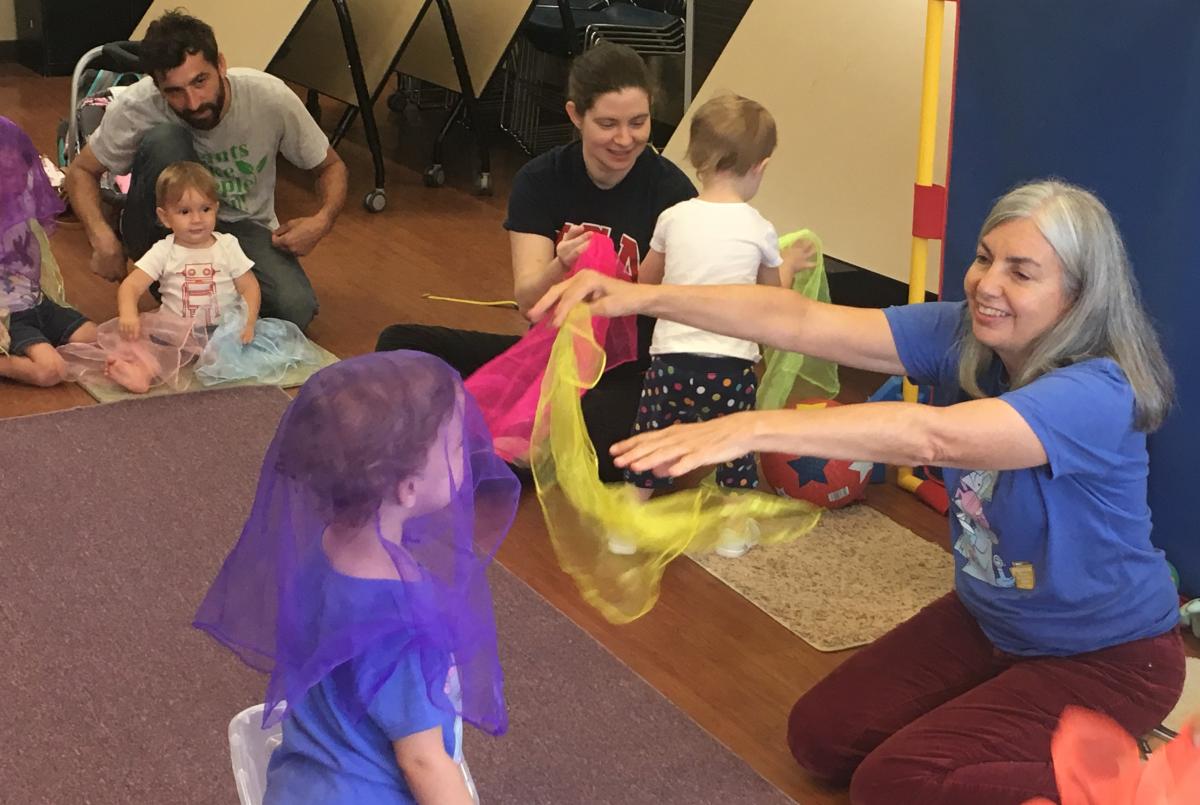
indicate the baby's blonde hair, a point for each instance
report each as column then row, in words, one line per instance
column 179, row 177
column 730, row 133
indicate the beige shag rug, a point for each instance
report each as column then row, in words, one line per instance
column 851, row 579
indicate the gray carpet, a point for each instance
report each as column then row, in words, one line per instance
column 116, row 517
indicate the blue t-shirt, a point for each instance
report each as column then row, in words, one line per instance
column 328, row 758
column 1055, row 559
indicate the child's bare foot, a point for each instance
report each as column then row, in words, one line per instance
column 131, row 375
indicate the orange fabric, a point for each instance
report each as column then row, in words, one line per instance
column 1097, row 763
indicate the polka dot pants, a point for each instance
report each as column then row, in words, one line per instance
column 696, row 388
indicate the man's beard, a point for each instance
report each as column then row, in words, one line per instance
column 204, row 123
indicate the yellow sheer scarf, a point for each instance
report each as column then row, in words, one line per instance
column 52, row 281
column 582, row 512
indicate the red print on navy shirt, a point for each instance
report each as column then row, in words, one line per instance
column 627, row 253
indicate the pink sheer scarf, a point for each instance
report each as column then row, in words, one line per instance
column 166, row 345
column 508, row 386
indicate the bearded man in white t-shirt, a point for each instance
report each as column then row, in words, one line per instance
column 235, row 122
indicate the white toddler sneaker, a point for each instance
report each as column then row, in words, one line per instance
column 736, row 541
column 621, row 546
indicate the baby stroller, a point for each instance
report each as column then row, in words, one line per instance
column 98, row 75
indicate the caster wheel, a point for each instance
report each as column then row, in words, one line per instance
column 483, row 184
column 434, row 176
column 376, row 200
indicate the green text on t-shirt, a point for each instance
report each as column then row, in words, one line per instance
column 234, row 172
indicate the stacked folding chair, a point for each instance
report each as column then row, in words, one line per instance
column 649, row 32
column 535, row 75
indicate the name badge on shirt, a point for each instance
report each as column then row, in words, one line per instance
column 1022, row 573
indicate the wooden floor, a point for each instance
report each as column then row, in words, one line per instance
column 729, row 666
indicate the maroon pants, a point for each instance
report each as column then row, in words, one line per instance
column 933, row 713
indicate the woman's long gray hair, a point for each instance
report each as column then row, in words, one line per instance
column 1105, row 317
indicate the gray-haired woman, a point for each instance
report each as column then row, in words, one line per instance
column 1054, row 376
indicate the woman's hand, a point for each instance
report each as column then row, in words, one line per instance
column 573, row 242
column 606, row 297
column 679, row 449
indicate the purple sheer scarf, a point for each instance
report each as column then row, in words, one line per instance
column 25, row 195
column 25, row 192
column 382, row 468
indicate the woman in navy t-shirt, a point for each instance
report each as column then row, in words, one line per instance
column 606, row 182
column 1050, row 375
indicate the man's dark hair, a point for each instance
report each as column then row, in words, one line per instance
column 172, row 38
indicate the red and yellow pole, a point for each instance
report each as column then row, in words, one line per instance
column 929, row 199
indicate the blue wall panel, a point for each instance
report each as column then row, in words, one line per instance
column 1105, row 94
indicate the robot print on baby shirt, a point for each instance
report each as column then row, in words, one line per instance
column 200, row 293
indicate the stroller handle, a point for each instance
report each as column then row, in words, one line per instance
column 117, row 57
column 121, row 57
